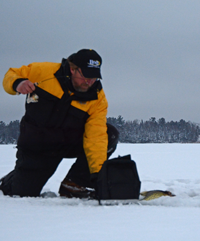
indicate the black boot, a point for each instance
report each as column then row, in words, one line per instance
column 6, row 182
column 70, row 189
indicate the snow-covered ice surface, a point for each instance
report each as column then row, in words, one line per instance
column 173, row 167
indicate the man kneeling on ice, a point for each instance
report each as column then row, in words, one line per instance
column 65, row 118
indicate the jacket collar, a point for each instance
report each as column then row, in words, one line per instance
column 63, row 75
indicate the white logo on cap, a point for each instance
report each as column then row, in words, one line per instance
column 93, row 63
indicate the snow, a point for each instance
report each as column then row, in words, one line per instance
column 173, row 167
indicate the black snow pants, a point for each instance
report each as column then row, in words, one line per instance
column 32, row 170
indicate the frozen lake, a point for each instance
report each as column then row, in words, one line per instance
column 173, row 167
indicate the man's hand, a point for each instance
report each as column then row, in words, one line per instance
column 25, row 87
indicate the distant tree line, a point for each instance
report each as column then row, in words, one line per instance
column 151, row 131
column 9, row 133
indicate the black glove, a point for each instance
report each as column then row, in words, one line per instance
column 93, row 178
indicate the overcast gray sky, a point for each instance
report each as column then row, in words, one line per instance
column 150, row 51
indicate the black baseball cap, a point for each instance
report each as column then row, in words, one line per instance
column 89, row 61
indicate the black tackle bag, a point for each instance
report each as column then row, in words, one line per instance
column 118, row 179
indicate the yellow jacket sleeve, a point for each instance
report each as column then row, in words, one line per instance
column 12, row 75
column 95, row 140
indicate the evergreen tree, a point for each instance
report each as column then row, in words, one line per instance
column 151, row 131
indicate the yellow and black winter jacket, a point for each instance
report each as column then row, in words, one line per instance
column 61, row 117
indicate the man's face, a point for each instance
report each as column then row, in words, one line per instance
column 79, row 82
